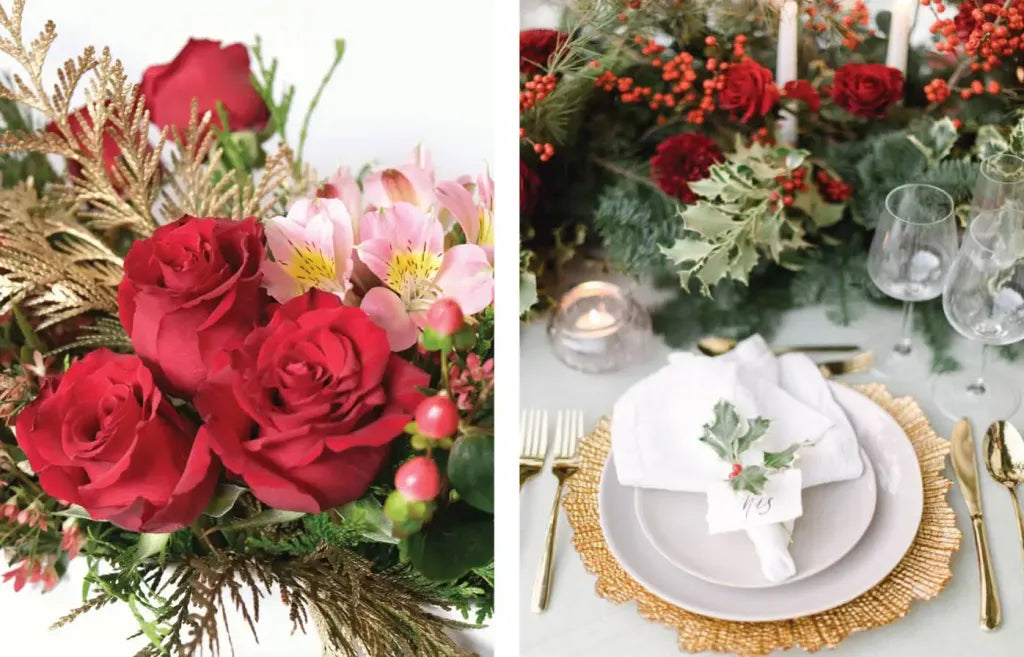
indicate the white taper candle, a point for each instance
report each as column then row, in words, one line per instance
column 785, row 65
column 900, row 23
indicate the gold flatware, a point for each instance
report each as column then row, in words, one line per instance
column 1004, row 458
column 713, row 345
column 533, row 448
column 861, row 362
column 966, row 469
column 568, row 431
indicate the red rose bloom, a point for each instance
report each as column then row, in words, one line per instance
column 536, row 47
column 111, row 150
column 529, row 189
column 867, row 89
column 210, row 73
column 682, row 159
column 803, row 91
column 190, row 292
column 749, row 90
column 307, row 406
column 104, row 437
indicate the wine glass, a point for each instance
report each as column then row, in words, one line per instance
column 984, row 301
column 911, row 253
column 998, row 184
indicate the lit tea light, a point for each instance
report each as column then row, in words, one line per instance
column 598, row 327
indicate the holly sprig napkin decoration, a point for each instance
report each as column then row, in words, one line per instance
column 730, row 438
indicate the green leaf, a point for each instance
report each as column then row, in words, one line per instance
column 719, row 434
column 150, row 544
column 367, row 516
column 687, row 249
column 1017, row 136
column 756, row 428
column 989, row 141
column 707, row 220
column 223, row 499
column 471, row 470
column 263, row 519
column 73, row 511
column 527, row 291
column 781, row 460
column 464, row 338
column 448, row 551
column 751, row 479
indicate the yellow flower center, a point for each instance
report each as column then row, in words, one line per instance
column 486, row 227
column 310, row 267
column 411, row 275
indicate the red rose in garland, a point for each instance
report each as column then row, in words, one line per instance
column 110, row 148
column 529, row 189
column 803, row 91
column 104, row 437
column 749, row 90
column 682, row 159
column 190, row 292
column 306, row 408
column 867, row 90
column 536, row 47
column 209, row 72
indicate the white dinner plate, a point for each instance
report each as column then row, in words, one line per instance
column 900, row 501
column 676, row 525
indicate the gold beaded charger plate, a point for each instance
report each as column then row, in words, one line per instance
column 666, row 595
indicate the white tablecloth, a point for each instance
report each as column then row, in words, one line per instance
column 580, row 624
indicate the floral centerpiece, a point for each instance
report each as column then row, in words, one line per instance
column 223, row 374
column 739, row 153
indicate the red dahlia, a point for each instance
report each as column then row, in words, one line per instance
column 682, row 159
column 536, row 46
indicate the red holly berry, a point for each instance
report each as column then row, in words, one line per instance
column 445, row 317
column 418, row 480
column 736, row 470
column 437, row 417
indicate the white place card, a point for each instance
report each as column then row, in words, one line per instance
column 730, row 511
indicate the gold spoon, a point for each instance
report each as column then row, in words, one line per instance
column 713, row 345
column 1004, row 459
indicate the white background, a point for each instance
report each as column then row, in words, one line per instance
column 414, row 72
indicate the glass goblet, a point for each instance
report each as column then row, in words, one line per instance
column 984, row 301
column 1000, row 183
column 912, row 250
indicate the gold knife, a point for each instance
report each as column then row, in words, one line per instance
column 966, row 468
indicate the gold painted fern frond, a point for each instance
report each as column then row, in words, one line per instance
column 50, row 265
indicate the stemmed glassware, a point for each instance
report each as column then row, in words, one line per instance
column 998, row 184
column 912, row 250
column 984, row 301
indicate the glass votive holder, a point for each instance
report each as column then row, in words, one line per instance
column 597, row 327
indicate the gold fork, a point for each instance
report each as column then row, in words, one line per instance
column 861, row 362
column 568, row 429
column 533, row 449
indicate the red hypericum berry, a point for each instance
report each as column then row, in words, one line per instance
column 445, row 317
column 437, row 417
column 736, row 470
column 418, row 479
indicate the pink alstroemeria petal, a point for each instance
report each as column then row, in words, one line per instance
column 388, row 312
column 467, row 276
column 459, row 201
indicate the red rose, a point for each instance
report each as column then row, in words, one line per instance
column 867, row 89
column 682, row 159
column 103, row 437
column 803, row 91
column 190, row 292
column 529, row 189
column 110, row 148
column 210, row 73
column 536, row 47
column 748, row 89
column 307, row 406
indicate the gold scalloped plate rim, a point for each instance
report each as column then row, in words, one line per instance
column 921, row 575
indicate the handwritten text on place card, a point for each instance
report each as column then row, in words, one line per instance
column 730, row 511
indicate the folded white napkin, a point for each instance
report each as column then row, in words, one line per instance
column 656, row 425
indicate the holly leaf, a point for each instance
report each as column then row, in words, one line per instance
column 781, row 460
column 720, row 434
column 751, row 479
column 755, row 429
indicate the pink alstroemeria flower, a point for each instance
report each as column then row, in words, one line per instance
column 475, row 219
column 344, row 187
column 404, row 248
column 412, row 182
column 312, row 248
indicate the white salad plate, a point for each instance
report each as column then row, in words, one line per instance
column 898, row 509
column 835, row 517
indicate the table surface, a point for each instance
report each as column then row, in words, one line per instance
column 580, row 624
